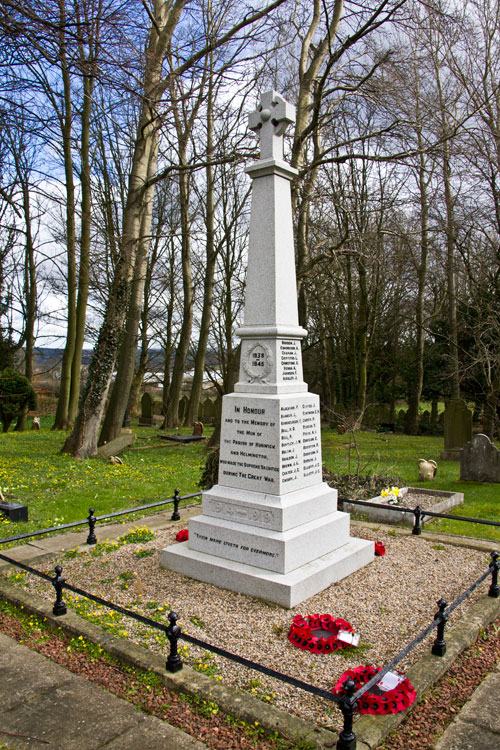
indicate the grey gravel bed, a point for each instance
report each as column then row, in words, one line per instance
column 388, row 603
column 412, row 499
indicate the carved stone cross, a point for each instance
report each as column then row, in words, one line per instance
column 271, row 119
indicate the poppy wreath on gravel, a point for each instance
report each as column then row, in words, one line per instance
column 389, row 702
column 182, row 535
column 301, row 633
column 379, row 549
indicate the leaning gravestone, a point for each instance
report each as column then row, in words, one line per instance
column 480, row 460
column 116, row 446
column 457, row 429
column 270, row 527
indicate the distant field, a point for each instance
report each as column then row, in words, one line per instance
column 57, row 486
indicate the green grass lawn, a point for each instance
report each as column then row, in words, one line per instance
column 398, row 455
column 59, row 489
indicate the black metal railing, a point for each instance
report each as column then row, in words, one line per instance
column 419, row 514
column 91, row 520
column 347, row 702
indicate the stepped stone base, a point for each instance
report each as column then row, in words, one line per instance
column 280, row 551
column 267, row 511
column 288, row 590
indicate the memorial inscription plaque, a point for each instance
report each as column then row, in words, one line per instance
column 270, row 527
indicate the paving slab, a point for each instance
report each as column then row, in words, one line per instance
column 477, row 726
column 483, row 707
column 462, row 736
column 41, row 704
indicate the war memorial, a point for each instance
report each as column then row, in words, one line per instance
column 270, row 528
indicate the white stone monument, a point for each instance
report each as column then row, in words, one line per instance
column 270, row 527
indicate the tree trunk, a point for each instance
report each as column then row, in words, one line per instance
column 418, row 374
column 61, row 418
column 30, row 287
column 168, row 344
column 326, row 389
column 454, row 368
column 208, row 287
column 118, row 402
column 84, row 269
column 352, row 349
column 361, row 339
column 82, row 443
column 187, row 309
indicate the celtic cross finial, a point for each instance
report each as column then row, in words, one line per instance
column 270, row 120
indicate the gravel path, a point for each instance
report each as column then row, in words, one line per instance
column 388, row 603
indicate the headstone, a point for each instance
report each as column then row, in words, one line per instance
column 480, row 460
column 146, row 418
column 183, row 407
column 198, row 428
column 457, row 429
column 270, row 528
column 35, row 423
column 376, row 415
column 209, row 411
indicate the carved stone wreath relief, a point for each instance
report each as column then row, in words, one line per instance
column 257, row 363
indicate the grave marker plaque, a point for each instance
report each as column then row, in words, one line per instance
column 270, row 527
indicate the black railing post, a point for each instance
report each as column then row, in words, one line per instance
column 175, row 514
column 494, row 589
column 59, row 607
column 174, row 663
column 91, row 519
column 347, row 738
column 417, row 529
column 439, row 645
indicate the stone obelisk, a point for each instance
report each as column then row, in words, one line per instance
column 270, row 527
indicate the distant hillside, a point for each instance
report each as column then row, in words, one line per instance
column 45, row 358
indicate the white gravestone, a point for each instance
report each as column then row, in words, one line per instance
column 271, row 527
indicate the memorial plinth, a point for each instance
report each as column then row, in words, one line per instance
column 270, row 527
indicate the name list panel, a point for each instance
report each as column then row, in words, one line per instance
column 270, row 444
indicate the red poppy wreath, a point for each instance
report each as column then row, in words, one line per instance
column 387, row 702
column 302, row 633
column 182, row 535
